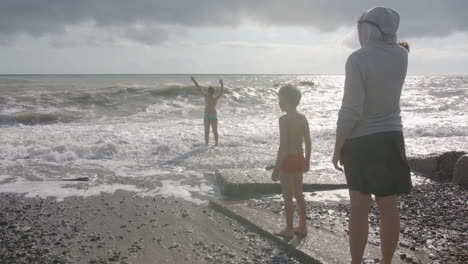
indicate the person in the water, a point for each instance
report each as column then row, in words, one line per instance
column 210, row 117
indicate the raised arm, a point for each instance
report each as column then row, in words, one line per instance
column 198, row 86
column 222, row 89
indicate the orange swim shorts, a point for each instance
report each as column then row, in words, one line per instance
column 294, row 163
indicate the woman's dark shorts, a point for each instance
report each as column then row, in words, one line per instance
column 376, row 164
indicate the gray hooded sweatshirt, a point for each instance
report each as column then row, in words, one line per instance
column 374, row 77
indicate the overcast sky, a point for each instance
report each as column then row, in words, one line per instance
column 218, row 36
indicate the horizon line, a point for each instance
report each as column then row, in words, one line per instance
column 5, row 74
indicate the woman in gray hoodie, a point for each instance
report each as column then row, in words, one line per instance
column 369, row 138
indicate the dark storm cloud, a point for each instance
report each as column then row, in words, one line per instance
column 150, row 21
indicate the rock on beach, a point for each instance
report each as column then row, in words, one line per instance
column 436, row 166
column 460, row 172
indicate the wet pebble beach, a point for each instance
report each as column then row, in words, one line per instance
column 123, row 228
column 433, row 221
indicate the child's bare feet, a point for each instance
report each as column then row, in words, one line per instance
column 302, row 231
column 284, row 233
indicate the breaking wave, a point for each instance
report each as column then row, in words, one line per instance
column 29, row 118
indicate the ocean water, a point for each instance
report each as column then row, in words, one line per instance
column 144, row 133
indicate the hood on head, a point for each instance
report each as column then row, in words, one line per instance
column 378, row 24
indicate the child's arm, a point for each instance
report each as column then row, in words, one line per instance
column 282, row 148
column 198, row 86
column 308, row 145
column 222, row 89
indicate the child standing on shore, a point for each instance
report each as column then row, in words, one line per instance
column 210, row 117
column 291, row 163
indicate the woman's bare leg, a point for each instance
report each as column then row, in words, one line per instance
column 214, row 126
column 358, row 224
column 207, row 131
column 389, row 226
column 301, row 204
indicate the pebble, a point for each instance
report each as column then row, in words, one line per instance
column 175, row 245
column 404, row 244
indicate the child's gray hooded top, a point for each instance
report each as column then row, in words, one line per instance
column 374, row 78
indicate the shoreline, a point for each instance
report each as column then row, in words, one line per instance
column 128, row 227
column 125, row 228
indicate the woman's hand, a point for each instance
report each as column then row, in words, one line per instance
column 275, row 175
column 307, row 166
column 336, row 160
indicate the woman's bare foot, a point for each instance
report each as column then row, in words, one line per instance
column 284, row 233
column 300, row 230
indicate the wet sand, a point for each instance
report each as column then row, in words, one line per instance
column 123, row 228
